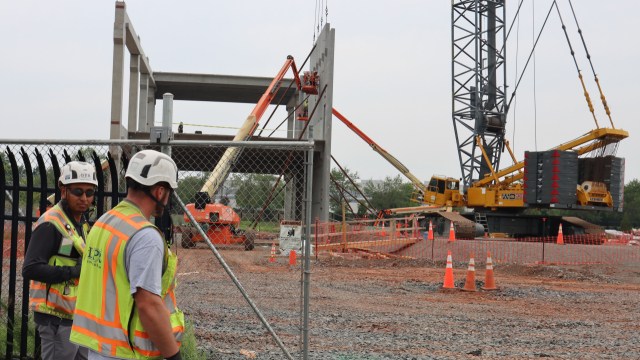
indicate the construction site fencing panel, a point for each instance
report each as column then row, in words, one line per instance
column 265, row 189
column 372, row 240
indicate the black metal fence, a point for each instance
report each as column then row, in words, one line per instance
column 270, row 181
column 19, row 185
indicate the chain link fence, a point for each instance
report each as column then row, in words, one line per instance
column 254, row 218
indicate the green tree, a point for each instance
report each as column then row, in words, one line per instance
column 253, row 190
column 188, row 186
column 343, row 181
column 632, row 202
column 392, row 193
column 625, row 225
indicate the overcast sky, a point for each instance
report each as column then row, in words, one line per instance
column 392, row 70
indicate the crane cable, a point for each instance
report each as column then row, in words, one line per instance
column 513, row 94
column 604, row 101
column 513, row 140
column 535, row 104
column 573, row 54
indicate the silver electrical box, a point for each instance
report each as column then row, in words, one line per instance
column 160, row 134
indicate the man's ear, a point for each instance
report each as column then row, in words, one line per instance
column 159, row 193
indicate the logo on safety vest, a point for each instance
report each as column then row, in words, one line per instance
column 94, row 257
column 511, row 196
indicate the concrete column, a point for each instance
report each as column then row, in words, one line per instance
column 134, row 84
column 144, row 98
column 291, row 120
column 151, row 108
column 117, row 85
column 291, row 190
column 289, row 206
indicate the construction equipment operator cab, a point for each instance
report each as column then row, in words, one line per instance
column 443, row 191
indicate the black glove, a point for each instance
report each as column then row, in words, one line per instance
column 177, row 356
column 75, row 270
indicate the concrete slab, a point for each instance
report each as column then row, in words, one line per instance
column 222, row 88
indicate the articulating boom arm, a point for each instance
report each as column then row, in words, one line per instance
column 221, row 171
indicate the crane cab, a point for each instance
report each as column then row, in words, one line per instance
column 310, row 83
column 443, row 191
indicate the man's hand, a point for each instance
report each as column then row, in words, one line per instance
column 155, row 320
column 75, row 270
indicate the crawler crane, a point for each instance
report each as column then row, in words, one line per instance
column 553, row 179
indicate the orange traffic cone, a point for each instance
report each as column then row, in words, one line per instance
column 398, row 232
column 448, row 274
column 486, row 235
column 560, row 238
column 272, row 258
column 430, row 237
column 383, row 232
column 452, row 234
column 292, row 258
column 489, row 280
column 470, row 284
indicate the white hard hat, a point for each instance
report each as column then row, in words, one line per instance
column 149, row 167
column 78, row 172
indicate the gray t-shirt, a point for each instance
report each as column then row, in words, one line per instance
column 143, row 258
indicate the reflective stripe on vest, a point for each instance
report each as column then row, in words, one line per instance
column 58, row 299
column 106, row 319
column 57, row 217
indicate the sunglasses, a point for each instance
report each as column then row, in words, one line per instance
column 78, row 192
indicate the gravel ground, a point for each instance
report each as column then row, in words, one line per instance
column 396, row 309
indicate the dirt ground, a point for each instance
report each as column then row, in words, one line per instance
column 396, row 309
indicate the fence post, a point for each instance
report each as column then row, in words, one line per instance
column 11, row 299
column 544, row 230
column 167, row 118
column 307, row 250
column 392, row 228
column 27, row 236
column 344, row 230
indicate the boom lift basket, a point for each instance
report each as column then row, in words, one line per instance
column 310, row 83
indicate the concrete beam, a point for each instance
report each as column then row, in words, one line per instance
column 134, row 83
column 133, row 44
column 223, row 88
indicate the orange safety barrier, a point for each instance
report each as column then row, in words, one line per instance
column 365, row 241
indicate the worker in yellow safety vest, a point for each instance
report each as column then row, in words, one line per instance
column 126, row 306
column 52, row 261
